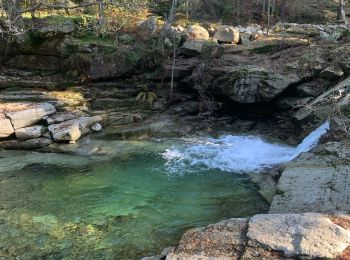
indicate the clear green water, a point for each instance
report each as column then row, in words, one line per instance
column 113, row 209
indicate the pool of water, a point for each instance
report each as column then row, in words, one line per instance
column 124, row 207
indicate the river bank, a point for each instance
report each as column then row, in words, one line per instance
column 57, row 93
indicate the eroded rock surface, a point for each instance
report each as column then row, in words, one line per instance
column 317, row 181
column 269, row 236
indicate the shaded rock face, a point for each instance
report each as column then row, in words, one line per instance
column 30, row 132
column 227, row 34
column 251, row 85
column 271, row 236
column 34, row 62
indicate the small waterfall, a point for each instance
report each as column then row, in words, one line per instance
column 237, row 154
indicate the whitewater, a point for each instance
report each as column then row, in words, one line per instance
column 238, row 154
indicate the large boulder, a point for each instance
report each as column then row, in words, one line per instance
column 197, row 32
column 227, row 34
column 6, row 128
column 251, row 84
column 150, row 25
column 65, row 132
column 30, row 115
column 207, row 48
column 30, row 132
column 311, row 234
column 72, row 130
column 269, row 236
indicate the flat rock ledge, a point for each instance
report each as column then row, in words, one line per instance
column 267, row 236
column 36, row 125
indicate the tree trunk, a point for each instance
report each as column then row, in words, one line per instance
column 101, row 16
column 268, row 15
column 342, row 14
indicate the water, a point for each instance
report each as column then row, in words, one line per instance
column 133, row 203
column 113, row 209
column 237, row 154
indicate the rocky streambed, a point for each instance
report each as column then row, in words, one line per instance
column 57, row 93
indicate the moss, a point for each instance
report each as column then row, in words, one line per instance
column 31, row 38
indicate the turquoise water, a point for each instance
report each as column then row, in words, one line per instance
column 111, row 209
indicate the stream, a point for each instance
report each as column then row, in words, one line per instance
column 136, row 201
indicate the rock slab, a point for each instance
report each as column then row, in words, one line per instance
column 6, row 128
column 31, row 115
column 311, row 234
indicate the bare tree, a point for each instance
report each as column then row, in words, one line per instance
column 13, row 22
column 342, row 14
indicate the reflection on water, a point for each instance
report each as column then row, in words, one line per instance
column 115, row 209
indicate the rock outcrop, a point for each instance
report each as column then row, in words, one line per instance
column 37, row 125
column 271, row 236
column 28, row 114
column 251, row 84
column 317, row 181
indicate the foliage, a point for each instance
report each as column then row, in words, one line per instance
column 145, row 95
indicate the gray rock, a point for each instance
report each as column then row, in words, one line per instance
column 227, row 34
column 31, row 115
column 197, row 32
column 251, row 84
column 72, row 130
column 60, row 117
column 26, row 145
column 30, row 132
column 6, row 128
column 150, row 25
column 65, row 132
column 311, row 234
column 331, row 73
column 208, row 48
column 224, row 240
column 96, row 127
column 316, row 181
column 51, row 29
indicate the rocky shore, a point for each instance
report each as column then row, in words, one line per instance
column 59, row 89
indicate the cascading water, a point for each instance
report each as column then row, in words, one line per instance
column 237, row 154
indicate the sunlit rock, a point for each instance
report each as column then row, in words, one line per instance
column 31, row 114
column 227, row 34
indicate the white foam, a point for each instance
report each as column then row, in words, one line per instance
column 236, row 153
